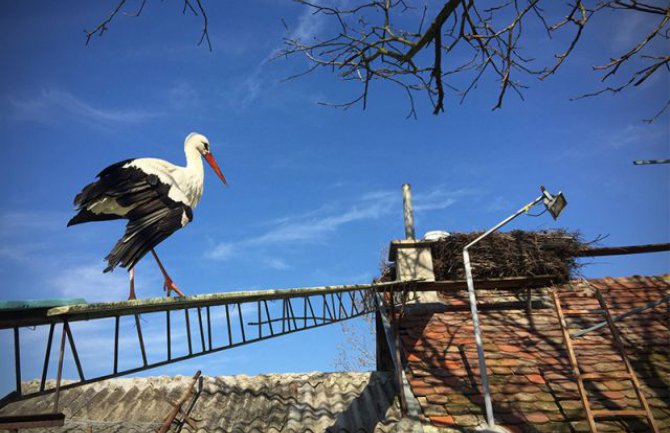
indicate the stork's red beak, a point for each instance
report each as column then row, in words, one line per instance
column 212, row 162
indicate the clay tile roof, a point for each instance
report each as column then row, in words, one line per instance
column 530, row 375
column 273, row 403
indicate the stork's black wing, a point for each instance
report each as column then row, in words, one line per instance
column 149, row 225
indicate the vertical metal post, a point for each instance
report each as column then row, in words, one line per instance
column 478, row 341
column 17, row 360
column 116, row 344
column 407, row 211
column 169, row 335
column 45, row 369
column 59, row 373
column 475, row 314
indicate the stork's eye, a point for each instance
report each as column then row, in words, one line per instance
column 206, row 145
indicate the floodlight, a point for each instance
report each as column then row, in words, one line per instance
column 554, row 203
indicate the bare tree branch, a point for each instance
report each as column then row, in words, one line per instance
column 375, row 41
column 197, row 10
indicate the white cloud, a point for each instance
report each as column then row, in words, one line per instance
column 319, row 224
column 52, row 104
column 89, row 282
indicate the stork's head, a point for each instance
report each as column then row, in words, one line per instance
column 200, row 143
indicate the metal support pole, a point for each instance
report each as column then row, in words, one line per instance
column 407, row 211
column 488, row 404
column 17, row 359
column 59, row 374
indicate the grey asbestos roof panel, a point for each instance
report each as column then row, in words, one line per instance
column 273, row 403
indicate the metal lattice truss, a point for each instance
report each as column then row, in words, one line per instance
column 199, row 325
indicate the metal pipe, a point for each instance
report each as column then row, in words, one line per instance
column 408, row 212
column 488, row 404
column 17, row 359
column 622, row 316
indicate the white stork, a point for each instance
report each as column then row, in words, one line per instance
column 156, row 197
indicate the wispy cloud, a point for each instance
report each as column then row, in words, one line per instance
column 54, row 105
column 318, row 225
column 89, row 282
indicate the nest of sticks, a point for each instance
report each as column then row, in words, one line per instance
column 512, row 254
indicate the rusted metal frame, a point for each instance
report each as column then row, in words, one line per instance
column 341, row 305
column 311, row 310
column 629, row 368
column 75, row 355
column 283, row 316
column 187, row 413
column 17, row 359
column 116, row 344
column 59, row 373
column 47, row 354
column 168, row 329
column 230, row 332
column 623, row 316
column 202, row 332
column 352, row 296
column 239, row 310
column 327, row 307
column 267, row 313
column 209, row 328
column 170, row 417
column 140, row 338
column 291, row 313
column 573, row 362
column 173, row 360
column 332, row 301
column 188, row 331
column 260, row 320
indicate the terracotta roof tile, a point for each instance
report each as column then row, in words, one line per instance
column 531, row 379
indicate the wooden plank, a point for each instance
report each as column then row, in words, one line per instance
column 605, row 376
column 629, row 368
column 630, row 249
column 573, row 363
column 32, row 421
column 618, row 413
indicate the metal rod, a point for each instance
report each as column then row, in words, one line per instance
column 162, row 363
column 141, row 339
column 488, row 405
column 17, row 359
column 169, row 334
column 290, row 307
column 59, row 373
column 311, row 310
column 623, row 316
column 188, row 331
column 73, row 348
column 116, row 344
column 209, row 328
column 260, row 321
column 45, row 369
column 408, row 213
column 267, row 312
column 239, row 309
column 230, row 333
column 202, row 332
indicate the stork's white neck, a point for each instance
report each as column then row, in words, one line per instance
column 192, row 183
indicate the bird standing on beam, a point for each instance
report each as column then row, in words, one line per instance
column 156, row 197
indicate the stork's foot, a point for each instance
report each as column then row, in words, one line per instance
column 170, row 286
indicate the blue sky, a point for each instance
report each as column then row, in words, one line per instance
column 314, row 194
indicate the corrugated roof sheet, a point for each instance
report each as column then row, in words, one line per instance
column 531, row 381
column 273, row 403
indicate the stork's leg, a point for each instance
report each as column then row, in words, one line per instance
column 169, row 284
column 131, row 272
